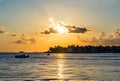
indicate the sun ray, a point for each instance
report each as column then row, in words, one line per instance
column 58, row 26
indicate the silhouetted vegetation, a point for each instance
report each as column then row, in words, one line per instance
column 85, row 49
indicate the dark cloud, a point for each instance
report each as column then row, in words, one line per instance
column 18, row 42
column 75, row 29
column 23, row 39
column 32, row 40
column 71, row 29
column 28, row 41
column 7, row 32
column 13, row 35
column 51, row 30
column 45, row 32
column 2, row 32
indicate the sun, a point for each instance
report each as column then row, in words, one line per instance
column 58, row 26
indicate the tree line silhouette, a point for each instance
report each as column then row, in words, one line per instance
column 84, row 49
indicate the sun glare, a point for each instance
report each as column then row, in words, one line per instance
column 58, row 26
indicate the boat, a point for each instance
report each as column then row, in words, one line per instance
column 21, row 55
column 48, row 54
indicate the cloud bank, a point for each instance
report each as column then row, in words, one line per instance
column 71, row 29
column 116, row 33
column 103, row 39
column 20, row 39
column 24, row 39
column 62, row 27
column 7, row 32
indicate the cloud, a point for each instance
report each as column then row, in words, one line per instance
column 75, row 29
column 45, row 32
column 8, row 33
column 106, row 41
column 13, row 35
column 71, row 29
column 112, row 41
column 18, row 42
column 51, row 30
column 102, row 35
column 116, row 32
column 28, row 41
column 103, row 39
column 62, row 27
column 23, row 39
column 32, row 40
column 2, row 32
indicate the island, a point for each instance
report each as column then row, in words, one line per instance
column 84, row 49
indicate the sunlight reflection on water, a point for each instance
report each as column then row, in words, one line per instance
column 60, row 66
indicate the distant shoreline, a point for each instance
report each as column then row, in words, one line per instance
column 77, row 49
column 84, row 49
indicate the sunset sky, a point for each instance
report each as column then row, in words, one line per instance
column 36, row 25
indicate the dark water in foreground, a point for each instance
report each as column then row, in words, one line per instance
column 62, row 66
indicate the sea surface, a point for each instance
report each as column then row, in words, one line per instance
column 60, row 67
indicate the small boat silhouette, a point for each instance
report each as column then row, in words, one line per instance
column 48, row 54
column 21, row 55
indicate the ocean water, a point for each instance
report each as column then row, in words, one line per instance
column 61, row 67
